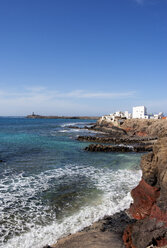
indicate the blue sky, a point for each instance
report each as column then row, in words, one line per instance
column 82, row 57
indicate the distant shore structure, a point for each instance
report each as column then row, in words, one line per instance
column 138, row 112
column 117, row 118
column 36, row 116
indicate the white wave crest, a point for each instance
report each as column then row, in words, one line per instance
column 115, row 186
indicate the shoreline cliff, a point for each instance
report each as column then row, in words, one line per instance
column 147, row 225
column 150, row 201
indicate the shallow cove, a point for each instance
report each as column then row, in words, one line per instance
column 50, row 187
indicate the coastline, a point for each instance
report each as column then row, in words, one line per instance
column 100, row 234
column 63, row 117
column 106, row 232
column 97, row 235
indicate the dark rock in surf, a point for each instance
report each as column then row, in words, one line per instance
column 120, row 140
column 121, row 148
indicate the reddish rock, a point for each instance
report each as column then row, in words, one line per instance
column 133, row 127
column 144, row 197
column 141, row 134
column 127, row 237
column 157, row 128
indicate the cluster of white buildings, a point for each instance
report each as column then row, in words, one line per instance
column 139, row 112
column 119, row 115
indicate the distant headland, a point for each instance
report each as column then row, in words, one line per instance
column 35, row 116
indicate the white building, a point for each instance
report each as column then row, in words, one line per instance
column 140, row 112
column 127, row 115
column 117, row 116
column 158, row 116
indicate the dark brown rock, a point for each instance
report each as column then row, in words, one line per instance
column 114, row 148
column 145, row 233
column 121, row 140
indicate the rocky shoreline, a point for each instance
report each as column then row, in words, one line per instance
column 150, row 201
column 114, row 140
column 118, row 148
column 145, row 226
column 149, row 208
column 118, row 139
column 104, row 233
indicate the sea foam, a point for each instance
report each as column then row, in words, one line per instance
column 36, row 231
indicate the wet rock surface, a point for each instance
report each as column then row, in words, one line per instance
column 76, row 127
column 115, row 140
column 118, row 148
column 1, row 160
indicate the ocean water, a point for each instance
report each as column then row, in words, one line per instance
column 50, row 186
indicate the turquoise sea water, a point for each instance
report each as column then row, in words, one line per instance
column 50, row 186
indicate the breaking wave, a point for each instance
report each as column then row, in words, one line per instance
column 28, row 222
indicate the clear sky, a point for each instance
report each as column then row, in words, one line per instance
column 82, row 57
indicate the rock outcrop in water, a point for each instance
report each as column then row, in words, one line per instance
column 118, row 148
column 141, row 133
column 34, row 116
column 150, row 201
column 121, row 140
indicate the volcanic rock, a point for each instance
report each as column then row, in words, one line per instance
column 143, row 128
column 120, row 140
column 150, row 201
column 118, row 148
column 134, row 127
